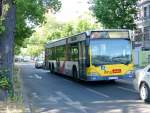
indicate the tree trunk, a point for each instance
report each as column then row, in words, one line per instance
column 7, row 40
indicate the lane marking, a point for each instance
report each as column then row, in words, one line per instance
column 54, row 99
column 65, row 97
column 117, row 101
column 98, row 93
column 37, row 76
column 70, row 102
column 127, row 89
column 30, row 76
column 34, row 94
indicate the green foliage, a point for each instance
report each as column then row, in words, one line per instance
column 52, row 30
column 2, row 18
column 4, row 81
column 115, row 13
column 68, row 29
column 2, row 27
column 54, row 35
column 84, row 25
column 29, row 14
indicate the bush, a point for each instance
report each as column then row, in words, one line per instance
column 4, row 81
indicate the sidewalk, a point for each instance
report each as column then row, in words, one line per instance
column 15, row 104
column 3, row 105
column 8, row 106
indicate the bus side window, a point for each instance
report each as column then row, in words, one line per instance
column 53, row 54
column 49, row 51
column 62, row 53
column 74, row 52
column 66, row 57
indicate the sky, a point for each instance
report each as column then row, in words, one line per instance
column 71, row 9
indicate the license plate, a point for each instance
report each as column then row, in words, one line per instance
column 113, row 78
column 116, row 70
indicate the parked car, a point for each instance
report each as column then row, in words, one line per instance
column 26, row 59
column 142, row 83
column 39, row 64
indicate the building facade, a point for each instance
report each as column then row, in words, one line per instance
column 143, row 22
column 142, row 34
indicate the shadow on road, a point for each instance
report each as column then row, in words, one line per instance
column 90, row 83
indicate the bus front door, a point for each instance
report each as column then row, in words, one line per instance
column 82, row 58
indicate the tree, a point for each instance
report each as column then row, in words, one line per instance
column 52, row 30
column 21, row 17
column 7, row 36
column 115, row 13
column 29, row 14
column 85, row 25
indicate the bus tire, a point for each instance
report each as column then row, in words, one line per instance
column 75, row 74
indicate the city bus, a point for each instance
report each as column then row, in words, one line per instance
column 92, row 55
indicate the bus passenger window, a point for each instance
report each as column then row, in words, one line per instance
column 74, row 52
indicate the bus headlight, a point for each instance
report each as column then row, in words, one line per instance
column 131, row 73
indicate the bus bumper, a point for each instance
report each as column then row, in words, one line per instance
column 98, row 78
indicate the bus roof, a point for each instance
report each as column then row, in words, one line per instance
column 121, row 30
column 63, row 40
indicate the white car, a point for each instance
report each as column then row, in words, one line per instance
column 142, row 83
column 39, row 63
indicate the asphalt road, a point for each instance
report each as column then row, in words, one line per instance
column 49, row 93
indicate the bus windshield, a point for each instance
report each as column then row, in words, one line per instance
column 110, row 51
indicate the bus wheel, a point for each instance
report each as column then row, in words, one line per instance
column 75, row 74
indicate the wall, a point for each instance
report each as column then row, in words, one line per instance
column 143, row 58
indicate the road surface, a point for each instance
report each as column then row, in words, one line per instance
column 50, row 93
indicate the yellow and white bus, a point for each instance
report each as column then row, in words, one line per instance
column 92, row 56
